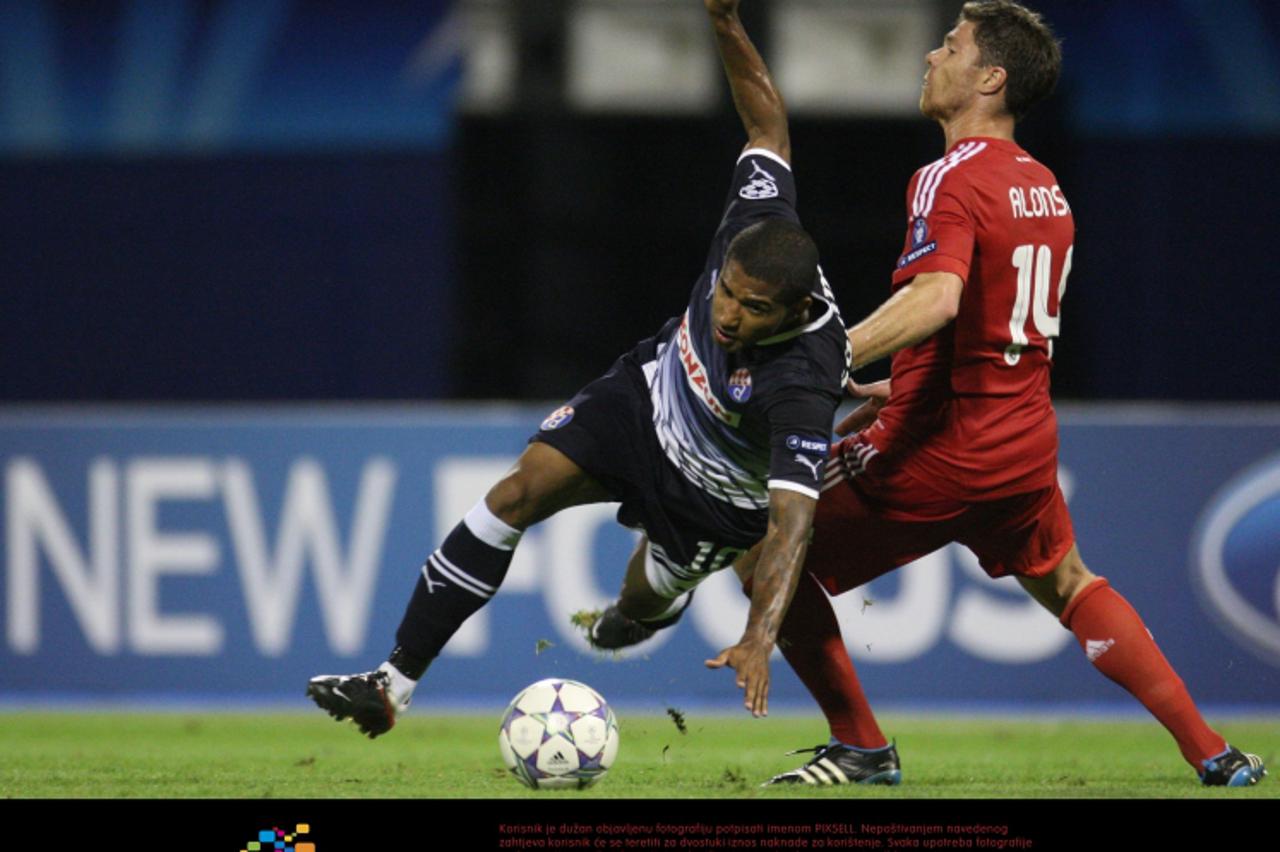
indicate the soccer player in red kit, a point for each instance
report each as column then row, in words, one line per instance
column 960, row 444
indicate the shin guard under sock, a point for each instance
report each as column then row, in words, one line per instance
column 1116, row 641
column 457, row 579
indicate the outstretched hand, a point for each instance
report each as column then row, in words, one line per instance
column 751, row 663
column 876, row 395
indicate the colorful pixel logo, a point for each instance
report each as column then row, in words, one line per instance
column 275, row 840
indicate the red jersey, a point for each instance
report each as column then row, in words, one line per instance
column 970, row 411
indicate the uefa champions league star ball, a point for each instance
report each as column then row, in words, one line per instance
column 558, row 734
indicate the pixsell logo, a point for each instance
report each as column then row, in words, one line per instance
column 277, row 839
column 1236, row 558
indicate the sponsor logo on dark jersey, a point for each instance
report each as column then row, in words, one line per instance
column 807, row 445
column 912, row 257
column 815, row 465
column 919, row 232
column 740, row 385
column 557, row 418
column 696, row 375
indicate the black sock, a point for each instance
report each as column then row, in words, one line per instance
column 457, row 579
column 407, row 663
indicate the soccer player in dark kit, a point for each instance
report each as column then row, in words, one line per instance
column 713, row 435
column 960, row 444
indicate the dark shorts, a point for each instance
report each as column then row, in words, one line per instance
column 607, row 430
column 873, row 517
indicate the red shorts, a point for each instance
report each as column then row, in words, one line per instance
column 874, row 517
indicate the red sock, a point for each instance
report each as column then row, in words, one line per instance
column 1119, row 645
column 810, row 640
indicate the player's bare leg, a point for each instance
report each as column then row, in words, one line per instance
column 457, row 579
column 1116, row 641
column 542, row 482
column 1055, row 590
column 638, row 600
column 639, row 611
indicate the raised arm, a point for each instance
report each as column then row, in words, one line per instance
column 760, row 106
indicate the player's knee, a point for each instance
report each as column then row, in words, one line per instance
column 641, row 602
column 1071, row 576
column 1055, row 589
column 1074, row 575
column 542, row 482
column 514, row 499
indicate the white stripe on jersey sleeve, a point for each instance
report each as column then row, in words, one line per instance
column 787, row 485
column 927, row 176
column 933, row 190
column 764, row 152
column 925, row 195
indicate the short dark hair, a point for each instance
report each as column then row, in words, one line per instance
column 1019, row 41
column 778, row 252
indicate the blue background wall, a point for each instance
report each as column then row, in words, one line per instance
column 233, row 554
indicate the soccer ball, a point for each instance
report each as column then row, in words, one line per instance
column 558, row 734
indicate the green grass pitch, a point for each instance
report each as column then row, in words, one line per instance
column 58, row 754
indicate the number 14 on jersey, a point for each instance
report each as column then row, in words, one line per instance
column 1034, row 265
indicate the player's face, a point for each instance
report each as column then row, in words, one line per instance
column 745, row 310
column 951, row 81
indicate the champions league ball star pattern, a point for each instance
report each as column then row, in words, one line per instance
column 558, row 734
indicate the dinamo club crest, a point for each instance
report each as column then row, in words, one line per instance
column 557, row 418
column 740, row 385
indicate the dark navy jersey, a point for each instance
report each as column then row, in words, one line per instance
column 736, row 425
